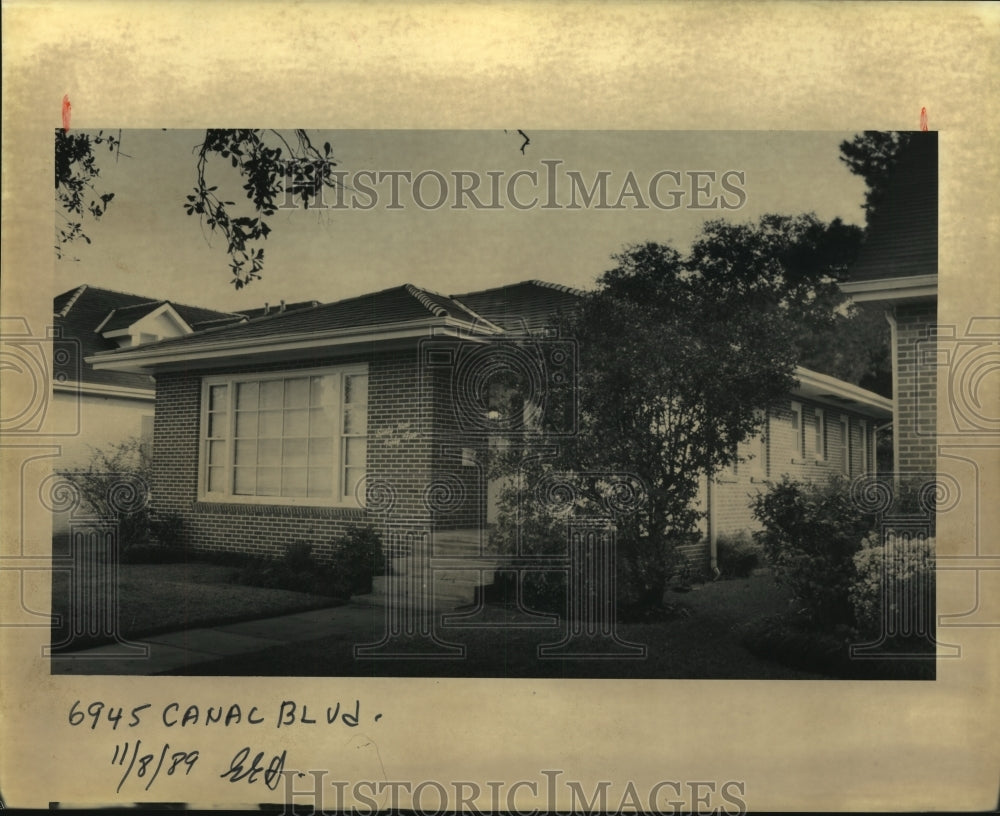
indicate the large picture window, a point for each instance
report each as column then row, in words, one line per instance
column 296, row 438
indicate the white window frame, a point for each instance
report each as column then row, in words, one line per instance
column 337, row 499
column 864, row 447
column 819, row 440
column 798, row 441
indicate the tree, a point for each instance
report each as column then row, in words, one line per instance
column 872, row 155
column 76, row 171
column 276, row 170
column 676, row 356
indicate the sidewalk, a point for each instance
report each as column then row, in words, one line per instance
column 176, row 650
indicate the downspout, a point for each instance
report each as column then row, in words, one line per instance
column 894, row 351
column 713, row 539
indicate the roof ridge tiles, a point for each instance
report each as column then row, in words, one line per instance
column 423, row 296
column 73, row 299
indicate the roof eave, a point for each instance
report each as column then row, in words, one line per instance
column 840, row 394
column 145, row 359
column 909, row 287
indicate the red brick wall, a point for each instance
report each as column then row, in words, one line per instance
column 916, row 389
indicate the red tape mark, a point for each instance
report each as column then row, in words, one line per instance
column 923, row 119
column 67, row 109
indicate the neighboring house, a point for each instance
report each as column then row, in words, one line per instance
column 296, row 424
column 109, row 406
column 826, row 427
column 898, row 266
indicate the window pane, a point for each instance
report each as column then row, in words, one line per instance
column 293, row 452
column 356, row 388
column 321, row 452
column 246, row 481
column 216, row 479
column 322, row 390
column 217, row 453
column 216, row 425
column 355, row 419
column 320, row 481
column 268, row 481
column 296, row 423
column 297, row 393
column 351, row 478
column 270, row 424
column 269, row 452
column 293, row 481
column 246, row 396
column 271, row 393
column 321, row 422
column 246, row 423
column 355, row 451
column 217, row 397
column 246, row 452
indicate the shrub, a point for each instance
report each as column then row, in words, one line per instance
column 894, row 590
column 167, row 530
column 357, row 559
column 737, row 554
column 810, row 535
column 792, row 642
column 115, row 486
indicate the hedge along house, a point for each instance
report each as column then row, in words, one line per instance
column 378, row 409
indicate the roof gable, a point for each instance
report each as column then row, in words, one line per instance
column 80, row 312
column 524, row 307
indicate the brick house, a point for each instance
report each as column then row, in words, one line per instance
column 898, row 266
column 377, row 409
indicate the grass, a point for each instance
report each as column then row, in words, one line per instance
column 699, row 641
column 156, row 598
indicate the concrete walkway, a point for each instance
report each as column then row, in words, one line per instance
column 177, row 650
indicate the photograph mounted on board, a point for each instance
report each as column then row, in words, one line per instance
column 496, row 404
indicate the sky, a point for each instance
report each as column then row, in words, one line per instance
column 146, row 244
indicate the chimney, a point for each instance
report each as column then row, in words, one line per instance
column 282, row 306
column 267, row 309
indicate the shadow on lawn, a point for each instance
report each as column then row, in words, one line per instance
column 701, row 640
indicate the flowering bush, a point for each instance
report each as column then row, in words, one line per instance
column 894, row 590
column 811, row 533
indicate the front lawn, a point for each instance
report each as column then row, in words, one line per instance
column 699, row 641
column 156, row 598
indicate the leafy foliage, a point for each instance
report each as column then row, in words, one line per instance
column 811, row 534
column 357, row 557
column 675, row 355
column 275, row 175
column 76, row 171
column 115, row 486
column 895, row 585
column 738, row 555
column 872, row 155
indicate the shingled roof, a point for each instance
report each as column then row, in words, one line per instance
column 79, row 312
column 525, row 306
column 902, row 238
